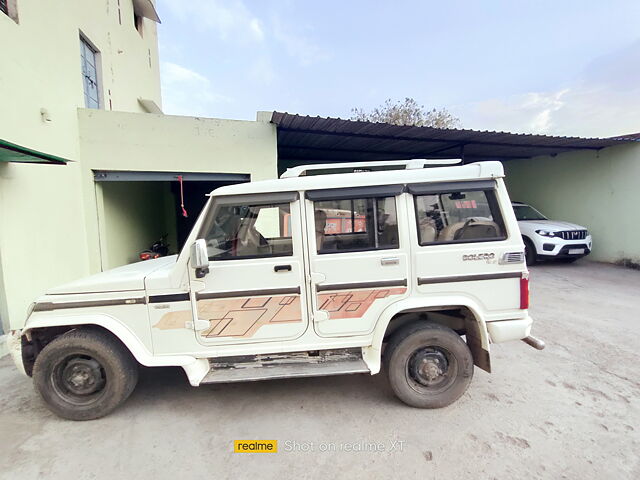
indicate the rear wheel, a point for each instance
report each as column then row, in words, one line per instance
column 530, row 253
column 84, row 374
column 429, row 366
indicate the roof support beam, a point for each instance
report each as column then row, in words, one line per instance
column 398, row 155
column 355, row 150
column 429, row 140
column 135, row 176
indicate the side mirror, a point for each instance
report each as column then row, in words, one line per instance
column 200, row 258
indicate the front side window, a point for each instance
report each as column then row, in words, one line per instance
column 355, row 224
column 458, row 217
column 89, row 74
column 249, row 231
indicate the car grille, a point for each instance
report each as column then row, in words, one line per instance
column 572, row 234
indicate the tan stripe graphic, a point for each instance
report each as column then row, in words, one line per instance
column 239, row 317
column 353, row 303
column 242, row 317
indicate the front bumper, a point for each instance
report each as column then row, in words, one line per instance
column 553, row 247
column 14, row 343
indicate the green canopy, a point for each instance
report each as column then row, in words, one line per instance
column 10, row 152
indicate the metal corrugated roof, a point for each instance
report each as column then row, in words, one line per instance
column 310, row 139
column 634, row 137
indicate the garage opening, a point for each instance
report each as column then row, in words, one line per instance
column 137, row 209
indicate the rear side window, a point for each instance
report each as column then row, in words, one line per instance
column 458, row 217
column 357, row 224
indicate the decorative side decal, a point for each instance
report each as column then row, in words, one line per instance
column 242, row 317
column 353, row 303
column 237, row 317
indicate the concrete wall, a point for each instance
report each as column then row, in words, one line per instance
column 40, row 68
column 57, row 223
column 149, row 142
column 596, row 189
column 52, row 217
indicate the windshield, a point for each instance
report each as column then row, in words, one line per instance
column 527, row 212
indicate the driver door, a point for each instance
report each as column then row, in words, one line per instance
column 254, row 291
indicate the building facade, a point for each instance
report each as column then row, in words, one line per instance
column 81, row 82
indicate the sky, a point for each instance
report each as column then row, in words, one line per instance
column 561, row 67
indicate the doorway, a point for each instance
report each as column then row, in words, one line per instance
column 136, row 209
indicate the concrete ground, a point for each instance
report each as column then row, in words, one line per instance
column 570, row 411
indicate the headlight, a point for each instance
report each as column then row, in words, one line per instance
column 546, row 233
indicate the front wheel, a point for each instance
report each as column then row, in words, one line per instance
column 84, row 374
column 530, row 253
column 429, row 366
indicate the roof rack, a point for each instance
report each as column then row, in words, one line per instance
column 352, row 167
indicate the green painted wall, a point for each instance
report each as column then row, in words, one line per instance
column 150, row 142
column 596, row 189
column 42, row 213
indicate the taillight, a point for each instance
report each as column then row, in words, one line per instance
column 524, row 291
column 145, row 256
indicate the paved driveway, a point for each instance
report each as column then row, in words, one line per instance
column 570, row 411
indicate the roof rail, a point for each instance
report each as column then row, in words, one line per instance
column 351, row 167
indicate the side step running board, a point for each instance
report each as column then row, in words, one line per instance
column 288, row 365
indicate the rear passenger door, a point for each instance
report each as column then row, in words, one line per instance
column 358, row 256
column 463, row 242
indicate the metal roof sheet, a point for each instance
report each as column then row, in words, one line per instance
column 310, row 139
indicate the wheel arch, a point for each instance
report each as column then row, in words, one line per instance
column 469, row 322
column 38, row 332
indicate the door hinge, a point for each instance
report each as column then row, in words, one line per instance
column 199, row 325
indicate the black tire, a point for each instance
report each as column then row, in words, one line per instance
column 413, row 351
column 530, row 254
column 84, row 374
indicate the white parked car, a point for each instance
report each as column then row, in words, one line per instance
column 417, row 269
column 546, row 239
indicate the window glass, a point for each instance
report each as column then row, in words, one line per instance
column 526, row 212
column 89, row 75
column 250, row 231
column 458, row 217
column 355, row 224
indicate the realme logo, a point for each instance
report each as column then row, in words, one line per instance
column 255, row 446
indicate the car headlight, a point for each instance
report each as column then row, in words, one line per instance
column 546, row 233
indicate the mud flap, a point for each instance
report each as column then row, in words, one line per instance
column 481, row 357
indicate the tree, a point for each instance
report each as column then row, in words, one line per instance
column 407, row 112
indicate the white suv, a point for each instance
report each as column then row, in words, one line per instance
column 417, row 268
column 546, row 239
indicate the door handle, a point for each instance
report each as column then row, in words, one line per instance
column 389, row 261
column 282, row 268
